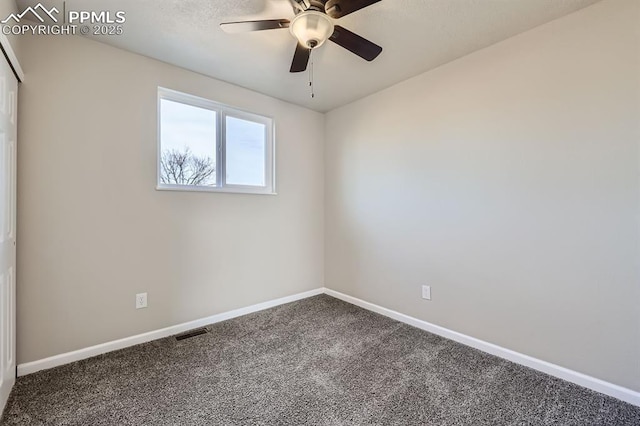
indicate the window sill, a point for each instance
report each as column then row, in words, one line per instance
column 228, row 190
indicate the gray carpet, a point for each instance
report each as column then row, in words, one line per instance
column 318, row 361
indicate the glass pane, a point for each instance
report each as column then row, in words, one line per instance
column 246, row 151
column 188, row 144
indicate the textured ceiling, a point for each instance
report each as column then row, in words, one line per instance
column 417, row 35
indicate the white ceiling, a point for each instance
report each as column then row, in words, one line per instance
column 417, row 35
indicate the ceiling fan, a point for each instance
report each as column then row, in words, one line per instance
column 312, row 26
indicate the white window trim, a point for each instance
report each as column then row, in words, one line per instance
column 222, row 111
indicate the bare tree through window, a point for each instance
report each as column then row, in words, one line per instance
column 182, row 167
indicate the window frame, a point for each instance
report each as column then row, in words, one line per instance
column 222, row 111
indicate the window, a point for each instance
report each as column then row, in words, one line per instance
column 206, row 146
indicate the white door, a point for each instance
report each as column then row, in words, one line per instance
column 8, row 133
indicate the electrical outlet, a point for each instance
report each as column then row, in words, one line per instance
column 141, row 300
column 426, row 292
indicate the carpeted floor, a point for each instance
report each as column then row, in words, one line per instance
column 318, row 361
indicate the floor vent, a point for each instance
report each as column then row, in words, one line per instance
column 192, row 333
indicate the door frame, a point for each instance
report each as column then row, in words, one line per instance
column 12, row 60
column 10, row 54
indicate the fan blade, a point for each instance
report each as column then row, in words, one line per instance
column 339, row 8
column 355, row 44
column 246, row 26
column 300, row 58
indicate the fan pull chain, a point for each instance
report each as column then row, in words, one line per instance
column 313, row 95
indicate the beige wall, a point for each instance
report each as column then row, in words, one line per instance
column 508, row 181
column 93, row 231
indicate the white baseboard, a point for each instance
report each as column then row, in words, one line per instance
column 66, row 358
column 581, row 379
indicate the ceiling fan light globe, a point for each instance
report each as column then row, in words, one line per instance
column 311, row 28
